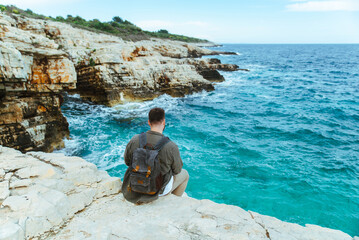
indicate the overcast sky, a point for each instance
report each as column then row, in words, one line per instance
column 222, row 21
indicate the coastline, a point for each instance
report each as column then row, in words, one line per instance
column 52, row 196
column 42, row 59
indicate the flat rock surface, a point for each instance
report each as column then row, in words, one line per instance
column 52, row 196
column 41, row 192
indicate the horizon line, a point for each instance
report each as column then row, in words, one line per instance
column 288, row 43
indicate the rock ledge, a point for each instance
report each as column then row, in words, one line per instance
column 52, row 196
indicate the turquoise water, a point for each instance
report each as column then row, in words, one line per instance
column 281, row 140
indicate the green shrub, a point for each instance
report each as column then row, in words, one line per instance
column 69, row 18
column 117, row 19
column 115, row 24
column 128, row 22
column 92, row 62
column 118, row 27
column 163, row 31
column 60, row 19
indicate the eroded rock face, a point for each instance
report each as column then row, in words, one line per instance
column 32, row 122
column 32, row 75
column 51, row 196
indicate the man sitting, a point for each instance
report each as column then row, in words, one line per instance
column 174, row 179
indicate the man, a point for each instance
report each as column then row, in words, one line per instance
column 174, row 178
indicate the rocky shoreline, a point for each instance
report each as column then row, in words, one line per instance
column 41, row 59
column 52, row 196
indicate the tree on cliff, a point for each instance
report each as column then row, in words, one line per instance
column 163, row 31
column 117, row 19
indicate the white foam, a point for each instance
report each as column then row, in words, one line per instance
column 231, row 80
column 140, row 109
column 76, row 95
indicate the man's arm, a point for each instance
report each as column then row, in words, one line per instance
column 129, row 150
column 177, row 163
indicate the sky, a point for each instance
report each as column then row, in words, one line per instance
column 225, row 21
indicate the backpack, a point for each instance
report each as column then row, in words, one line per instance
column 145, row 170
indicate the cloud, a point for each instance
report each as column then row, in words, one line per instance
column 193, row 28
column 153, row 25
column 323, row 6
column 196, row 23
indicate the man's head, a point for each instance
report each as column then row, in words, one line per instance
column 156, row 119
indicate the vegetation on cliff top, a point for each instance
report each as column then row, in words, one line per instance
column 117, row 26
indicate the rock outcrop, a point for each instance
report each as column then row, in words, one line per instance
column 111, row 70
column 40, row 193
column 32, row 75
column 51, row 196
column 41, row 59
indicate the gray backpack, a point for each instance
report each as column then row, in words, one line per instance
column 145, row 170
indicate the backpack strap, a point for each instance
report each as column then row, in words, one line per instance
column 143, row 140
column 161, row 143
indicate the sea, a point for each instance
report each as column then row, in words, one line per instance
column 281, row 140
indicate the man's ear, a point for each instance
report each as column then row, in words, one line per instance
column 149, row 123
column 164, row 121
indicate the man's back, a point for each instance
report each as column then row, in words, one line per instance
column 169, row 155
column 169, row 158
column 173, row 178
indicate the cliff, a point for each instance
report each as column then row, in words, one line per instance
column 40, row 59
column 51, row 196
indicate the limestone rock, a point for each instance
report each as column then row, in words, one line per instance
column 16, row 203
column 294, row 231
column 10, row 231
column 46, row 190
column 55, row 200
column 2, row 174
column 4, row 190
column 32, row 122
column 32, row 74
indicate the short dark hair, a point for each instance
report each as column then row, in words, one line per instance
column 156, row 115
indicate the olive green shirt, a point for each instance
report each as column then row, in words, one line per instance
column 169, row 156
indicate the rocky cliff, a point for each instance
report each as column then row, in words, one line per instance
column 33, row 72
column 51, row 196
column 41, row 59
